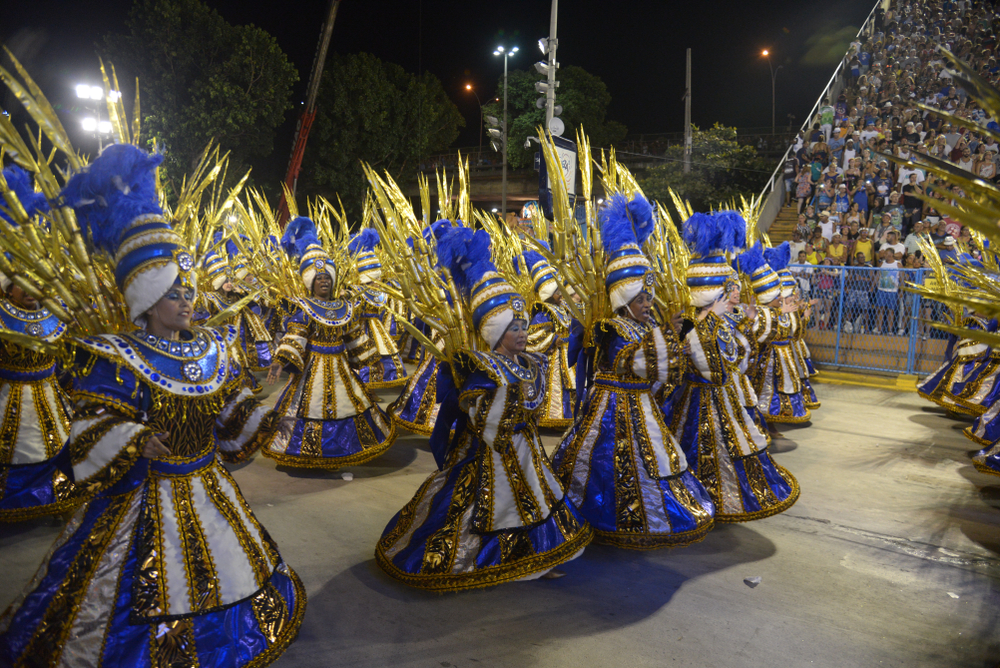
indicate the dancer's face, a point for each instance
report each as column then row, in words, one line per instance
column 515, row 339
column 21, row 298
column 322, row 285
column 640, row 306
column 173, row 312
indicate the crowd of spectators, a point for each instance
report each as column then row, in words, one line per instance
column 858, row 208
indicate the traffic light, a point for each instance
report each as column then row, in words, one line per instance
column 548, row 87
column 496, row 133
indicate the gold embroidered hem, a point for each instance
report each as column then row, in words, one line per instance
column 789, row 419
column 425, row 429
column 652, row 541
column 383, row 384
column 781, row 507
column 22, row 514
column 491, row 575
column 333, row 463
column 971, row 435
column 982, row 468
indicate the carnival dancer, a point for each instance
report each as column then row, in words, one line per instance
column 338, row 422
column 34, row 458
column 761, row 286
column 384, row 368
column 418, row 404
column 495, row 511
column 619, row 463
column 724, row 447
column 230, row 280
column 165, row 563
column 548, row 334
column 803, row 358
column 966, row 382
column 778, row 386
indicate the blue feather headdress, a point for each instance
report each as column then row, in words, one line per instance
column 625, row 226
column 19, row 182
column 764, row 281
column 779, row 256
column 301, row 243
column 362, row 246
column 710, row 237
column 494, row 304
column 118, row 210
column 543, row 276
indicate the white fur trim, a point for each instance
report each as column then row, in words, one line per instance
column 494, row 325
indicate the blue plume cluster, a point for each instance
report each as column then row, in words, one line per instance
column 710, row 233
column 434, row 230
column 19, row 182
column 299, row 234
column 466, row 254
column 531, row 258
column 625, row 222
column 365, row 240
column 116, row 188
column 779, row 256
column 750, row 260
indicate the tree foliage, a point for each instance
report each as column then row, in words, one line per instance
column 201, row 78
column 377, row 112
column 582, row 95
column 721, row 169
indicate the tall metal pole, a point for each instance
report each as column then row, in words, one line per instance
column 688, row 141
column 772, row 93
column 503, row 186
column 550, row 94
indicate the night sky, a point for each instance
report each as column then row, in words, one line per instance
column 636, row 47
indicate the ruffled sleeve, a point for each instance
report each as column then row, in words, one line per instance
column 107, row 434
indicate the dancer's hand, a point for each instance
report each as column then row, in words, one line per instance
column 154, row 447
column 274, row 373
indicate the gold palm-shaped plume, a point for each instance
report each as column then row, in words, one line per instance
column 429, row 293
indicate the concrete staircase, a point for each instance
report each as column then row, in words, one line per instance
column 783, row 226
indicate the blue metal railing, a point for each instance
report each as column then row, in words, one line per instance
column 863, row 319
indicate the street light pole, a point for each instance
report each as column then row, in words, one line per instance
column 774, row 74
column 503, row 186
column 501, row 51
column 470, row 88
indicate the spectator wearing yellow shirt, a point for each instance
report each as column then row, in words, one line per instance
column 814, row 256
column 864, row 245
column 837, row 251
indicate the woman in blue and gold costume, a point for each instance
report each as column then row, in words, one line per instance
column 230, row 279
column 338, row 421
column 34, row 458
column 778, row 383
column 619, row 463
column 165, row 563
column 548, row 334
column 383, row 367
column 495, row 511
column 723, row 446
column 418, row 404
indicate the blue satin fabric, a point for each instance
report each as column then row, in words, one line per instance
column 798, row 405
column 450, row 416
column 27, row 486
column 391, row 370
column 29, row 615
column 807, row 391
column 340, row 437
column 15, row 376
column 545, row 535
column 417, row 389
column 992, row 462
column 932, row 384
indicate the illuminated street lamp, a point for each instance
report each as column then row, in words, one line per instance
column 95, row 94
column 501, row 51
